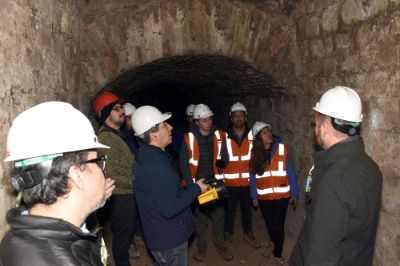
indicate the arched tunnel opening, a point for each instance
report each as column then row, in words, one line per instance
column 172, row 83
column 275, row 56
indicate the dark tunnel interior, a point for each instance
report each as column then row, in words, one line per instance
column 172, row 83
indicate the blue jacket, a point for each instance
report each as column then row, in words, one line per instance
column 131, row 140
column 294, row 191
column 164, row 206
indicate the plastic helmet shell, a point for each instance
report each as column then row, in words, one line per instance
column 238, row 106
column 258, row 126
column 129, row 109
column 103, row 99
column 202, row 111
column 50, row 128
column 146, row 117
column 189, row 110
column 342, row 103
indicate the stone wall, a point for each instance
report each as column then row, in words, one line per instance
column 68, row 50
column 120, row 36
column 39, row 61
column 356, row 43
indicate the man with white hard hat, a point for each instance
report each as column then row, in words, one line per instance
column 127, row 130
column 189, row 112
column 203, row 155
column 236, row 174
column 345, row 191
column 164, row 206
column 60, row 173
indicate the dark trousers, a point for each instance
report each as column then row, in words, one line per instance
column 123, row 218
column 215, row 212
column 177, row 256
column 274, row 213
column 239, row 195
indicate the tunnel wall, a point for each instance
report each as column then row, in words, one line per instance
column 45, row 54
column 39, row 60
column 356, row 43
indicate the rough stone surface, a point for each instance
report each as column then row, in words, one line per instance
column 365, row 56
column 39, row 61
column 277, row 57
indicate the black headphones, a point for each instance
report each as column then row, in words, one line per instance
column 349, row 129
column 30, row 176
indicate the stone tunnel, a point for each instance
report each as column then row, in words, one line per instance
column 275, row 56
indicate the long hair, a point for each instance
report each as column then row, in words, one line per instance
column 259, row 156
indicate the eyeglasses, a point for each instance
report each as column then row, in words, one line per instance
column 117, row 108
column 100, row 161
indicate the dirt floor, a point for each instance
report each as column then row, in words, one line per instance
column 243, row 253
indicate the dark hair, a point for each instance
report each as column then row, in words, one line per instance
column 259, row 156
column 146, row 135
column 55, row 184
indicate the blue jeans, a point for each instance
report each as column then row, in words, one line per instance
column 177, row 256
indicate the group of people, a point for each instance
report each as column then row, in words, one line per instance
column 63, row 173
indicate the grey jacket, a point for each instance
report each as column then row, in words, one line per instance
column 342, row 214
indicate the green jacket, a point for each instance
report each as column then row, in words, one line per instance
column 120, row 159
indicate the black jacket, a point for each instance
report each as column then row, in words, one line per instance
column 37, row 240
column 206, row 145
column 342, row 216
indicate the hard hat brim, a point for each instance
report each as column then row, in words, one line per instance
column 163, row 117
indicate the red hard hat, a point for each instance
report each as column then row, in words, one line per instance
column 104, row 99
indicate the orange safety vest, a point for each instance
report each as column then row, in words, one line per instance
column 274, row 183
column 194, row 152
column 236, row 173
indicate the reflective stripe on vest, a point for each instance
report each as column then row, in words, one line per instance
column 193, row 161
column 273, row 190
column 274, row 183
column 219, row 141
column 237, row 170
column 233, row 158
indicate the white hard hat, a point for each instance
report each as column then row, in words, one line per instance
column 189, row 110
column 238, row 107
column 146, row 117
column 49, row 128
column 129, row 109
column 342, row 103
column 258, row 126
column 202, row 111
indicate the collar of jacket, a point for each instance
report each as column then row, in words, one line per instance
column 343, row 149
column 277, row 141
column 195, row 130
column 43, row 227
column 232, row 134
column 104, row 127
column 152, row 148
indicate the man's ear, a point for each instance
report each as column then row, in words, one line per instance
column 75, row 177
column 326, row 126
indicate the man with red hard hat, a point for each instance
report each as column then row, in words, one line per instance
column 123, row 210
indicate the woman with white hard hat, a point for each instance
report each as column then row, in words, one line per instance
column 273, row 183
